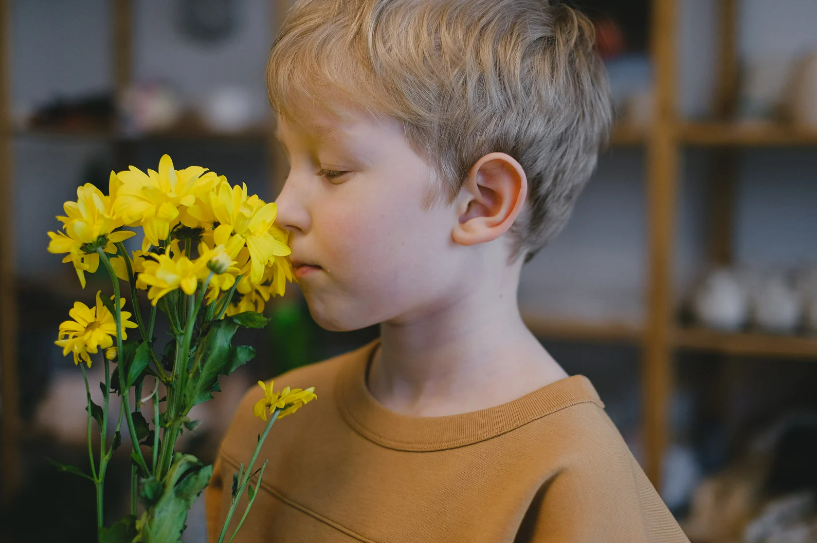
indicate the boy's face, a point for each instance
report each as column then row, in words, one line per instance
column 378, row 255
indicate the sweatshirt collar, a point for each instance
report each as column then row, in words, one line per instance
column 396, row 431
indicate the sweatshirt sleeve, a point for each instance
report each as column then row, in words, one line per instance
column 212, row 500
column 599, row 501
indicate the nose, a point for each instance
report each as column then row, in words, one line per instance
column 292, row 211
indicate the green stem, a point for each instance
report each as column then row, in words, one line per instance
column 246, row 478
column 88, row 394
column 147, row 335
column 249, row 504
column 133, row 487
column 228, row 298
column 155, row 424
column 104, row 429
column 172, row 316
column 176, row 401
column 98, row 482
column 124, row 391
column 133, row 297
column 168, row 443
column 152, row 321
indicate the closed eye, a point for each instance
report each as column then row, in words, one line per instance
column 330, row 174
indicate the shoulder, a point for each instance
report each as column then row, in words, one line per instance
column 596, row 490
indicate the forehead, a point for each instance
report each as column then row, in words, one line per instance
column 325, row 126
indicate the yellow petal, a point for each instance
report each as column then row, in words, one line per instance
column 120, row 235
column 189, row 284
column 221, row 235
column 120, row 268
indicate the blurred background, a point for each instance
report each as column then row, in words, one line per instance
column 684, row 287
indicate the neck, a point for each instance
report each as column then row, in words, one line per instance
column 470, row 352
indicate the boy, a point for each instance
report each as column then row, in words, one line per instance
column 434, row 147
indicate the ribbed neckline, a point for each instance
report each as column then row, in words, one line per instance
column 381, row 425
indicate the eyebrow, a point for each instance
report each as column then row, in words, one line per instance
column 323, row 131
column 320, row 131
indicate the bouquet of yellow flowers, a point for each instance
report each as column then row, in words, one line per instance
column 238, row 248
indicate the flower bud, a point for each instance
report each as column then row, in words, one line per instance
column 219, row 263
column 110, row 353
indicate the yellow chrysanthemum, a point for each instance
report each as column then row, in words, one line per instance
column 246, row 221
column 91, row 329
column 219, row 282
column 168, row 272
column 137, row 265
column 89, row 220
column 201, row 212
column 156, row 201
column 280, row 271
column 287, row 400
column 252, row 300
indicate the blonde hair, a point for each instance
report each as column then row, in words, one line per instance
column 465, row 78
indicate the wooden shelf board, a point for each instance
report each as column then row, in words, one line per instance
column 255, row 134
column 708, row 134
column 625, row 135
column 553, row 328
column 622, row 135
column 746, row 343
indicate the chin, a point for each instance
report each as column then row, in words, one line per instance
column 335, row 320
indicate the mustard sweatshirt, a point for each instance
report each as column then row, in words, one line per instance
column 547, row 467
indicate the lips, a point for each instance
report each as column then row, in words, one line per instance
column 297, row 264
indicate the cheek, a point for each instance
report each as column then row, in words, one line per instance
column 380, row 246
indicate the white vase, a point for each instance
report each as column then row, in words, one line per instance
column 777, row 304
column 720, row 301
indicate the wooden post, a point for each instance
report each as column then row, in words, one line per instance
column 122, row 25
column 10, row 435
column 662, row 172
column 724, row 171
column 276, row 162
column 123, row 48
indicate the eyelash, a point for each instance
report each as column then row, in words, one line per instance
column 330, row 174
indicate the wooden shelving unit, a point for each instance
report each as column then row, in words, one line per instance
column 615, row 332
column 666, row 138
column 746, row 344
column 663, row 140
column 746, row 135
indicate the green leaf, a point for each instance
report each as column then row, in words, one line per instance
column 69, row 469
column 140, row 425
column 214, row 356
column 240, row 356
column 250, row 319
column 102, row 386
column 234, row 489
column 250, row 491
column 150, row 491
column 164, row 521
column 122, row 531
column 169, row 355
column 125, row 360
column 117, row 441
column 191, row 424
column 96, row 412
column 115, row 381
column 141, row 359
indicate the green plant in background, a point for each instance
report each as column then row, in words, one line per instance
column 238, row 249
column 289, row 335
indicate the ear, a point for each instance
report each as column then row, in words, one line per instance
column 490, row 199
